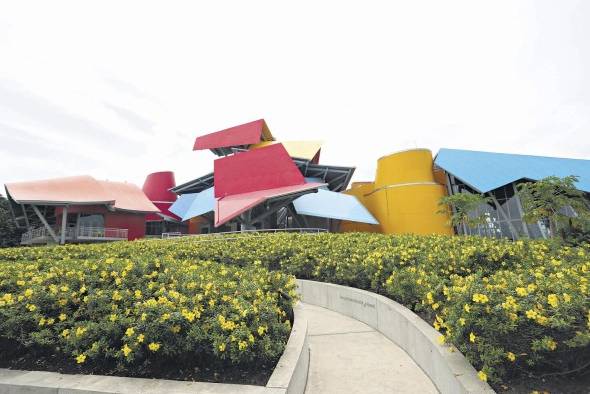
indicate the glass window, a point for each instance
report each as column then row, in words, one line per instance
column 91, row 220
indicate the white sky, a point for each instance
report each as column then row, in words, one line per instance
column 121, row 89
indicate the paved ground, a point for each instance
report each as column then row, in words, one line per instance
column 348, row 356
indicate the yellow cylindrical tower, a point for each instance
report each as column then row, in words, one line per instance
column 404, row 197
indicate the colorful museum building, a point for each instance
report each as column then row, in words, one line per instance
column 261, row 183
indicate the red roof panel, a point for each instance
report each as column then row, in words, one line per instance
column 265, row 168
column 245, row 134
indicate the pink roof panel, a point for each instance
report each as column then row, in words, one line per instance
column 229, row 207
column 73, row 190
column 129, row 197
column 265, row 168
column 81, row 190
column 245, row 134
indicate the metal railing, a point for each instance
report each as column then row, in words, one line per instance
column 42, row 235
column 225, row 234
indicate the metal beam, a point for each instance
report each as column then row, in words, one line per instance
column 521, row 212
column 501, row 210
column 64, row 224
column 26, row 216
column 270, row 210
column 47, row 226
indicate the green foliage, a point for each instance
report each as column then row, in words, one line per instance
column 135, row 310
column 9, row 234
column 463, row 205
column 511, row 307
column 548, row 199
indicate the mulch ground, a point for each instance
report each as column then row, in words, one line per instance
column 193, row 369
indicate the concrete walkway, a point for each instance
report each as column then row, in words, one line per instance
column 347, row 356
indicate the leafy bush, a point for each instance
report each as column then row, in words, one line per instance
column 511, row 307
column 142, row 308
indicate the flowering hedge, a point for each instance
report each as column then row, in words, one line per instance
column 141, row 308
column 510, row 307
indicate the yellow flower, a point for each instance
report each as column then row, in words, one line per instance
column 28, row 293
column 81, row 358
column 567, row 297
column 154, row 346
column 62, row 317
column 482, row 376
column 242, row 345
column 65, row 333
column 551, row 344
column 129, row 332
column 221, row 347
column 175, row 329
column 542, row 320
column 472, row 337
column 188, row 315
column 31, row 307
column 466, row 308
column 441, row 339
column 480, row 298
column 553, row 300
column 126, row 350
column 461, row 321
column 521, row 291
column 511, row 356
column 531, row 314
column 140, row 338
column 262, row 330
column 80, row 331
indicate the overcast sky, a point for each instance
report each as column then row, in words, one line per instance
column 119, row 89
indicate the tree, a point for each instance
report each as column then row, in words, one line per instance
column 552, row 199
column 9, row 234
column 464, row 205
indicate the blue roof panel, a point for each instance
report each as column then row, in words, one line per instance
column 333, row 205
column 192, row 205
column 485, row 171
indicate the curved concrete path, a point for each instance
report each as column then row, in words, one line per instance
column 348, row 356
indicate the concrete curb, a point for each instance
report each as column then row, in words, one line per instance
column 449, row 371
column 289, row 376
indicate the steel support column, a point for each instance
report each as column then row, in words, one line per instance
column 64, row 224
column 47, row 226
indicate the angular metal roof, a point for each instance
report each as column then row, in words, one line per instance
column 486, row 171
column 337, row 177
column 195, row 186
column 306, row 150
column 265, row 168
column 333, row 205
column 233, row 205
column 81, row 190
column 192, row 205
column 243, row 135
